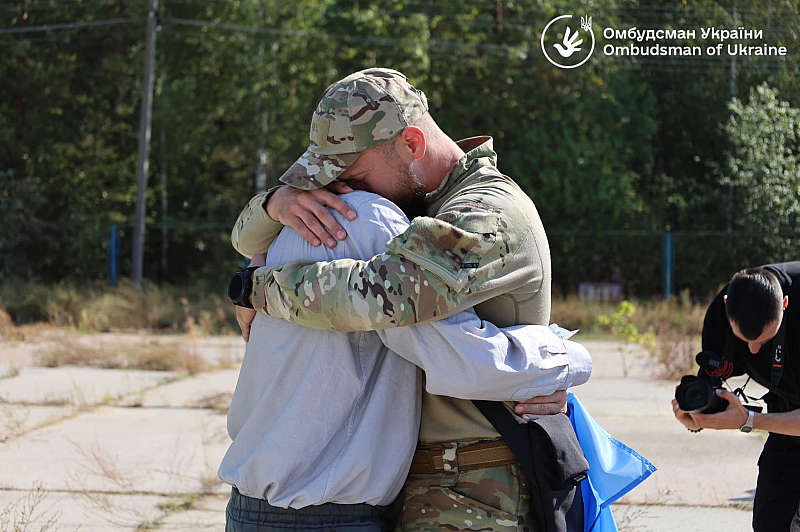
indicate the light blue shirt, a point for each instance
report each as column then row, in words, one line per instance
column 323, row 416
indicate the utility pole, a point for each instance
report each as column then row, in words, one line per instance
column 145, row 119
column 164, row 231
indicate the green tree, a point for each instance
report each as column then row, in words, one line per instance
column 764, row 162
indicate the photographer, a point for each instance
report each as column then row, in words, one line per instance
column 750, row 328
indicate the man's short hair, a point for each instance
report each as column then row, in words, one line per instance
column 755, row 298
column 387, row 150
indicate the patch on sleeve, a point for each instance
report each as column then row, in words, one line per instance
column 454, row 246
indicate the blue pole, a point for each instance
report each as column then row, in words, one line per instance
column 668, row 264
column 113, row 255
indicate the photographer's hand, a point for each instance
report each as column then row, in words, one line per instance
column 733, row 417
column 685, row 417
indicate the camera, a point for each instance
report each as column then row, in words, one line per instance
column 696, row 395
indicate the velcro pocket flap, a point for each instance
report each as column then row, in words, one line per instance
column 452, row 246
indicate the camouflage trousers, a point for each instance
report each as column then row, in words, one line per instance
column 488, row 499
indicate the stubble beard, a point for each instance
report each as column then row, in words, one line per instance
column 410, row 193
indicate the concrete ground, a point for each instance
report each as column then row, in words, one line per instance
column 113, row 450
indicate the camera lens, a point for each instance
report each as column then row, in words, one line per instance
column 695, row 395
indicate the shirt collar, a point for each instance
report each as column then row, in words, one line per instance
column 479, row 153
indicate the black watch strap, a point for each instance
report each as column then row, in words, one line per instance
column 241, row 286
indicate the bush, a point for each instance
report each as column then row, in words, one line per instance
column 676, row 326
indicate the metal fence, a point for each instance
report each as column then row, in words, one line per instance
column 644, row 263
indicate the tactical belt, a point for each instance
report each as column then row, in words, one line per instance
column 428, row 460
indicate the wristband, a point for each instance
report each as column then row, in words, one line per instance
column 241, row 287
column 748, row 425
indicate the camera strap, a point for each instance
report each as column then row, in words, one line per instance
column 776, row 369
column 739, row 392
column 776, row 372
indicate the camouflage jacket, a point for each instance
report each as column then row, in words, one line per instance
column 482, row 245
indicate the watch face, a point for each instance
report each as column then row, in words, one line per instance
column 235, row 288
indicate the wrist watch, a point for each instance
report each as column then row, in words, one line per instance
column 241, row 287
column 748, row 425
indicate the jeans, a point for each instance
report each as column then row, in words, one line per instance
column 246, row 514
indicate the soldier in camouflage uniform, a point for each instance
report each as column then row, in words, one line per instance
column 481, row 244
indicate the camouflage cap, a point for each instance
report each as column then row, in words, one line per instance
column 362, row 110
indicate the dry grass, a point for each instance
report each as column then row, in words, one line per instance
column 195, row 309
column 13, row 422
column 25, row 514
column 99, row 463
column 12, row 371
column 8, row 331
column 153, row 357
column 218, row 402
column 679, row 315
column 203, row 310
column 627, row 522
column 572, row 312
column 675, row 324
column 179, row 504
column 105, row 508
column 674, row 355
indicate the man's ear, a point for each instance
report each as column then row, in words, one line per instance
column 725, row 299
column 785, row 302
column 412, row 143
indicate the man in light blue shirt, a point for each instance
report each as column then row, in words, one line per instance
column 324, row 424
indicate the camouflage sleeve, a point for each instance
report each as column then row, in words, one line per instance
column 254, row 230
column 436, row 268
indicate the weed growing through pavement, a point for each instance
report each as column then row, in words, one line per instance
column 12, row 371
column 179, row 504
column 98, row 463
column 13, row 422
column 27, row 514
column 626, row 522
column 218, row 402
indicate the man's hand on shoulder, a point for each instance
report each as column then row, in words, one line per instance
column 305, row 211
column 541, row 406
